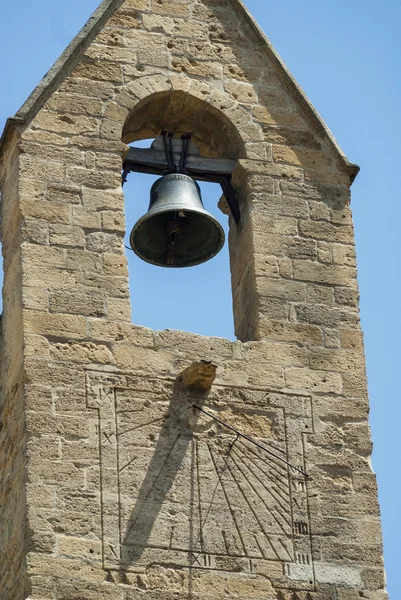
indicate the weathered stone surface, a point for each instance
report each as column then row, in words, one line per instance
column 114, row 484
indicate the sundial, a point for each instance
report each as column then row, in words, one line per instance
column 180, row 487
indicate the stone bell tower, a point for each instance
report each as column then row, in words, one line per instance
column 162, row 465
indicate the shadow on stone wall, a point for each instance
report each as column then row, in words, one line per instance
column 176, row 435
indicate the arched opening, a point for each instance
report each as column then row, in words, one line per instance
column 196, row 299
column 213, row 133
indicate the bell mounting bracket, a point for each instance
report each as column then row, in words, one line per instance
column 168, row 154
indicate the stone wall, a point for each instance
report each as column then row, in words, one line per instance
column 131, row 492
column 13, row 533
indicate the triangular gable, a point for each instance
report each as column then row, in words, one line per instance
column 71, row 57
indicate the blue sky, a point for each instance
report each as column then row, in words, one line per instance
column 347, row 58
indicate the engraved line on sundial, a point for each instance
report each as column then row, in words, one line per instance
column 222, row 498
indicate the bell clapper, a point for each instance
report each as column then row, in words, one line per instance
column 173, row 228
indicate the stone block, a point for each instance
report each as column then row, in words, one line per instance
column 69, row 400
column 45, row 445
column 55, row 325
column 144, row 361
column 83, row 261
column 326, row 176
column 119, row 309
column 341, row 409
column 69, row 569
column 35, row 298
column 278, row 288
column 107, row 285
column 286, row 226
column 115, row 264
column 85, row 352
column 273, row 97
column 134, row 5
column 302, row 249
column 43, row 255
column 282, row 331
column 158, row 23
column 355, row 385
column 170, row 8
column 51, row 212
column 70, row 125
column 51, row 153
column 41, row 587
column 78, row 547
column 325, row 253
column 93, row 178
column 74, row 104
column 99, row 71
column 193, row 346
column 272, row 308
column 337, row 360
column 331, row 338
column 153, row 57
column 62, row 193
column 114, row 221
column 275, row 353
column 100, row 242
column 280, row 205
column 266, row 266
column 196, row 68
column 85, row 217
column 313, row 381
column 55, row 472
column 320, row 230
column 66, row 235
column 88, row 303
column 102, row 330
column 35, row 232
column 113, row 54
column 291, row 137
column 67, row 589
column 37, row 345
column 271, row 170
column 98, row 90
column 352, row 339
column 329, row 274
column 44, row 137
column 347, row 296
column 327, row 316
column 241, row 92
column 344, row 255
column 281, row 116
column 38, row 398
column 78, row 451
column 302, row 157
column 40, row 423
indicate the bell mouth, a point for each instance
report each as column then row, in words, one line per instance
column 197, row 239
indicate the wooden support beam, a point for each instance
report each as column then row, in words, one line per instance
column 155, row 162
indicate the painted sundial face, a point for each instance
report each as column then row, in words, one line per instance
column 179, row 488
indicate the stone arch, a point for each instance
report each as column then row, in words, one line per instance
column 213, row 133
column 220, row 126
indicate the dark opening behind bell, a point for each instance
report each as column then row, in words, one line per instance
column 176, row 231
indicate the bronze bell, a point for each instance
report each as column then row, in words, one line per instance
column 176, row 231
